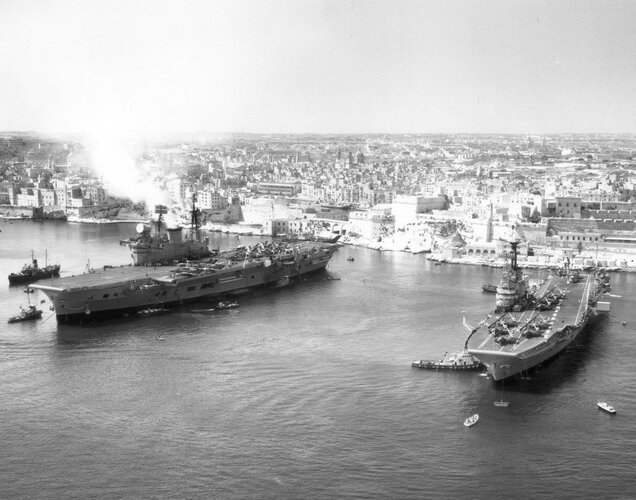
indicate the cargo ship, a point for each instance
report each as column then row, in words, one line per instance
column 116, row 291
column 531, row 325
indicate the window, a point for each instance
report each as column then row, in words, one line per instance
column 105, row 296
column 191, row 289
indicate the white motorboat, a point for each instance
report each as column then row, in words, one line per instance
column 606, row 407
column 472, row 420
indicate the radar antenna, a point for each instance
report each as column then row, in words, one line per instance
column 195, row 223
column 160, row 210
column 514, row 252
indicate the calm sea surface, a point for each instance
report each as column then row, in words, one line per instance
column 303, row 392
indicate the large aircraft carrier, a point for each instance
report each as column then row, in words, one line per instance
column 531, row 325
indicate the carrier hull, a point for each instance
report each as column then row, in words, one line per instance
column 511, row 343
column 502, row 365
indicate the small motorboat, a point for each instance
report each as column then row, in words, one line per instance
column 26, row 313
column 224, row 304
column 151, row 312
column 489, row 288
column 472, row 420
column 605, row 407
column 501, row 404
column 350, row 259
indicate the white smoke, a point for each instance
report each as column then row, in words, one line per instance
column 113, row 160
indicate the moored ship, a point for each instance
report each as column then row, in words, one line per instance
column 33, row 272
column 530, row 326
column 115, row 291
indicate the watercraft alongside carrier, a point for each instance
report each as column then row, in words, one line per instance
column 26, row 313
column 531, row 325
column 456, row 361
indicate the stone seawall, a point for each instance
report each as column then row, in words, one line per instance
column 10, row 211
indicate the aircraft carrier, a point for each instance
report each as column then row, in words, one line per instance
column 533, row 324
column 115, row 291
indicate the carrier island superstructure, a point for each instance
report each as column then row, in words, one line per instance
column 114, row 291
column 532, row 325
column 165, row 245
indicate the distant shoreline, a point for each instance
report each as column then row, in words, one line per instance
column 244, row 230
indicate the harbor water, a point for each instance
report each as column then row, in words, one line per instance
column 301, row 392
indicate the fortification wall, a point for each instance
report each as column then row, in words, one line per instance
column 606, row 226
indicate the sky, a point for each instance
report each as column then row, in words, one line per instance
column 297, row 66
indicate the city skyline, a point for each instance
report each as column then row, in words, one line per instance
column 109, row 68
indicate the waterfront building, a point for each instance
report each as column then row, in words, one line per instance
column 406, row 208
column 29, row 197
column 279, row 188
column 561, row 206
column 207, row 199
column 286, row 227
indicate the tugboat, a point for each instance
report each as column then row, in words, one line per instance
column 458, row 361
column 26, row 313
column 32, row 272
